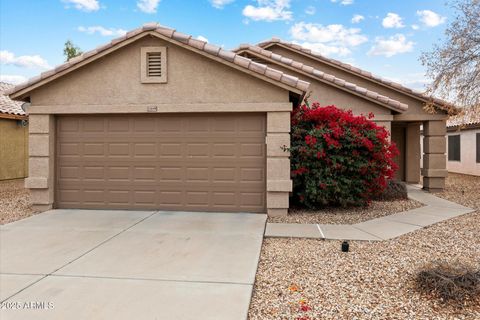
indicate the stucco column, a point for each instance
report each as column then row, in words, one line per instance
column 279, row 184
column 412, row 153
column 434, row 159
column 40, row 180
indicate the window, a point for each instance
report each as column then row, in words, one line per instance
column 454, row 148
column 478, row 147
column 153, row 65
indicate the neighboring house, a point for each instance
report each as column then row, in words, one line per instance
column 159, row 120
column 13, row 137
column 399, row 109
column 463, row 143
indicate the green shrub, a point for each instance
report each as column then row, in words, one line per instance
column 338, row 158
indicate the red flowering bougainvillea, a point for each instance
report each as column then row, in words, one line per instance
column 338, row 158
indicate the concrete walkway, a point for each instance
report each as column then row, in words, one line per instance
column 435, row 210
column 93, row 264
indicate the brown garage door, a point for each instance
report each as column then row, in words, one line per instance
column 198, row 162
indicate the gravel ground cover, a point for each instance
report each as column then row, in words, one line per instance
column 334, row 215
column 307, row 279
column 14, row 201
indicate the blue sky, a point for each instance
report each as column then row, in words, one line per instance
column 385, row 37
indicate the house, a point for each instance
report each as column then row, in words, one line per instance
column 13, row 137
column 159, row 120
column 463, row 143
column 399, row 109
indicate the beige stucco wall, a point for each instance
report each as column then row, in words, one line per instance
column 326, row 94
column 13, row 150
column 468, row 147
column 195, row 84
column 192, row 78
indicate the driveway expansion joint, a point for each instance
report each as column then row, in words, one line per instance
column 435, row 210
column 150, row 279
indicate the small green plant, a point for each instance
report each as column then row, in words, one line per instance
column 338, row 158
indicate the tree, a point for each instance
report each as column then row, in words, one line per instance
column 454, row 65
column 71, row 51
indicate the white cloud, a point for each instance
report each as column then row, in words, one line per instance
column 392, row 46
column 430, row 18
column 392, row 20
column 269, row 10
column 417, row 81
column 9, row 58
column 106, row 32
column 325, row 49
column 330, row 39
column 202, row 38
column 220, row 3
column 357, row 18
column 12, row 78
column 310, row 10
column 415, row 27
column 148, row 6
column 85, row 5
column 343, row 2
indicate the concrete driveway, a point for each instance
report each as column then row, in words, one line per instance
column 95, row 264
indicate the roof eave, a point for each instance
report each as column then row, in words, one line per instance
column 241, row 50
column 13, row 116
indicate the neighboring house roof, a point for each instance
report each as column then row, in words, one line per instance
column 439, row 103
column 467, row 118
column 228, row 57
column 9, row 108
column 327, row 78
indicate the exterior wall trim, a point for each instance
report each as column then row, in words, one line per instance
column 161, row 108
column 420, row 117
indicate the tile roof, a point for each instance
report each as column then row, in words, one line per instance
column 7, row 105
column 442, row 104
column 208, row 48
column 391, row 103
column 467, row 117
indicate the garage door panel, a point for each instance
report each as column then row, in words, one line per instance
column 116, row 125
column 198, row 150
column 252, row 199
column 92, row 125
column 176, row 162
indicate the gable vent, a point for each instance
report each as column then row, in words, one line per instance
column 154, row 64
